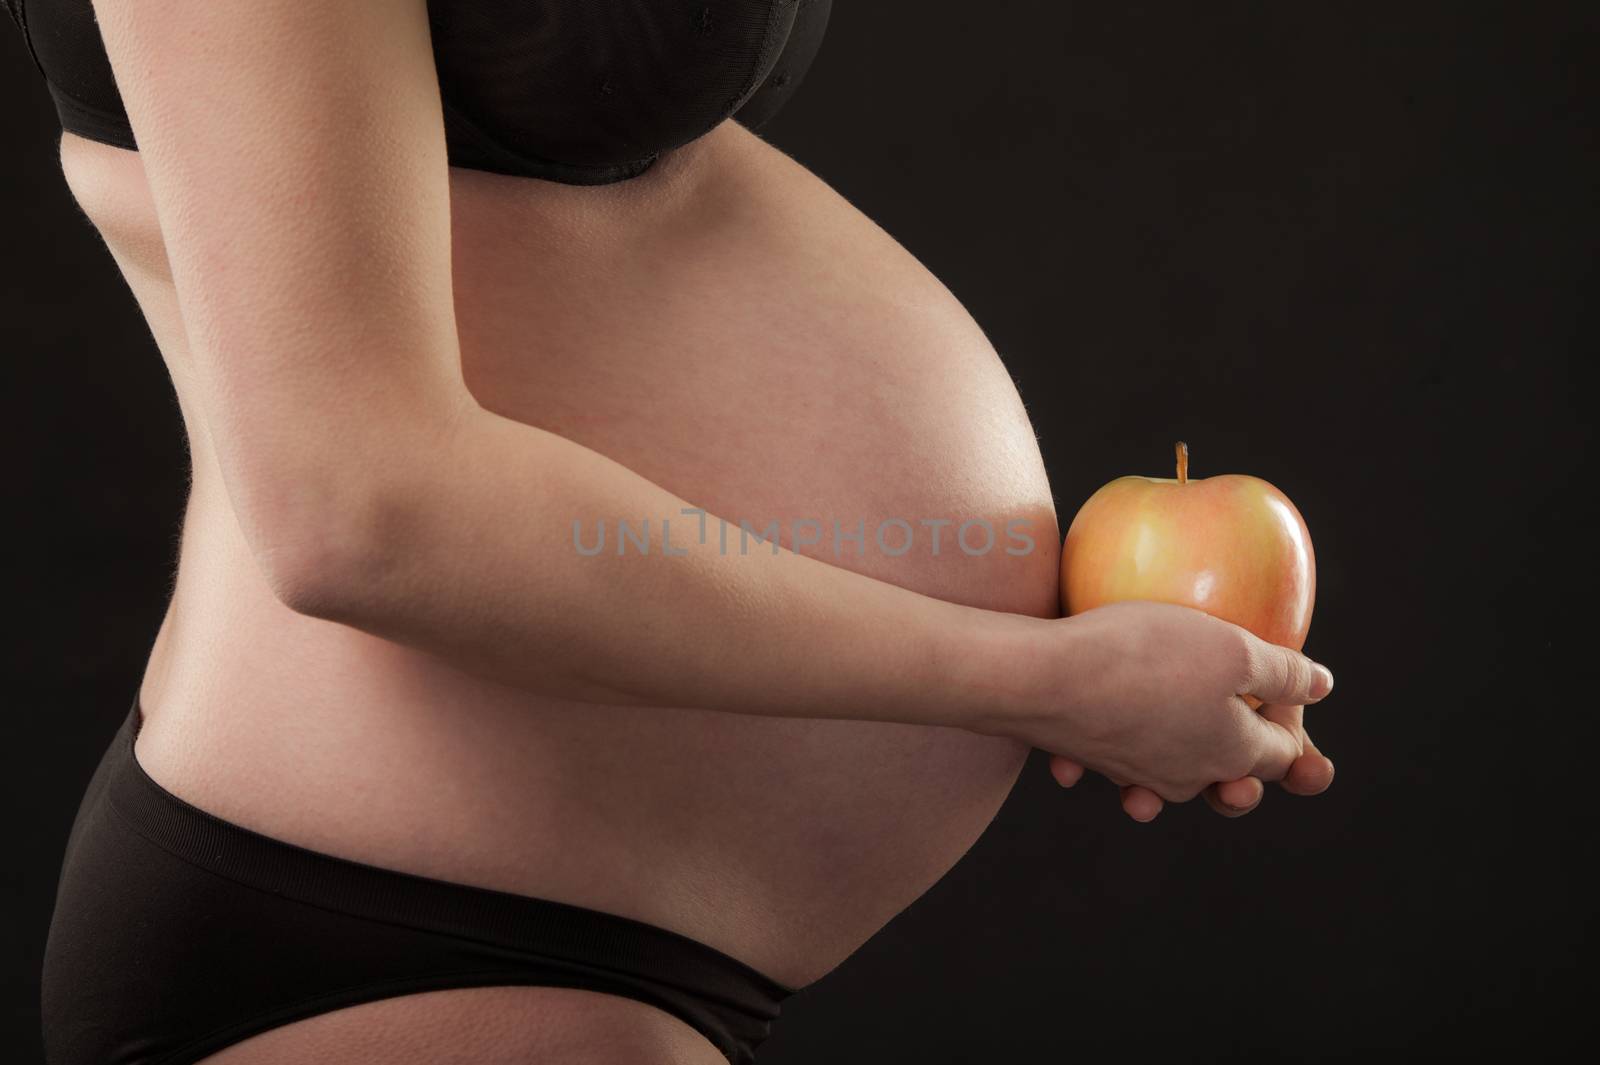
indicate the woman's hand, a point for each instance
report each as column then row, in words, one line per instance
column 1311, row 774
column 1150, row 695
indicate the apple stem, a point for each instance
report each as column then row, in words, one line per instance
column 1183, row 462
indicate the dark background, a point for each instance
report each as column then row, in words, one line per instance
column 1343, row 247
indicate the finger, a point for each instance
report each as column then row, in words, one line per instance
column 1065, row 770
column 1292, row 718
column 1284, row 676
column 1312, row 772
column 1235, row 798
column 1276, row 748
column 1141, row 804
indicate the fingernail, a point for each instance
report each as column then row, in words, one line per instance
column 1321, row 680
column 1251, row 805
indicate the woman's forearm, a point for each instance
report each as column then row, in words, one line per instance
column 476, row 560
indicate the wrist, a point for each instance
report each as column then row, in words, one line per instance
column 995, row 670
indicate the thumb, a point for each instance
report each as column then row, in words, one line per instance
column 1285, row 677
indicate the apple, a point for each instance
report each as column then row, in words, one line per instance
column 1231, row 545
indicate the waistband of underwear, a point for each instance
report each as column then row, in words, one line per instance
column 516, row 922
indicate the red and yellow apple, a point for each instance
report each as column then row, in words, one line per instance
column 1231, row 545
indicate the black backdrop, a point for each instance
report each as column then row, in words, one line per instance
column 1344, row 247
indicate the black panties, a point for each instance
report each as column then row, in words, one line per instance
column 177, row 933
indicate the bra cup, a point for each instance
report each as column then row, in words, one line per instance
column 805, row 40
column 603, row 84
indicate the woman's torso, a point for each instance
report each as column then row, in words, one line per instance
column 729, row 327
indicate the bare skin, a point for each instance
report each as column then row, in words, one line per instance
column 771, row 754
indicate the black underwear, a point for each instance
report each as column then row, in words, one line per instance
column 177, row 933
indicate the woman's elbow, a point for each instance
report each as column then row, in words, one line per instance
column 339, row 529
column 336, row 557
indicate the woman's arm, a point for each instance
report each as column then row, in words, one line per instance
column 296, row 157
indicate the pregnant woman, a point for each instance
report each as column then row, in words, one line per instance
column 617, row 577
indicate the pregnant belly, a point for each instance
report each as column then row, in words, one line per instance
column 772, row 356
column 739, row 334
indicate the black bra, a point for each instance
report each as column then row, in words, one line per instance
column 583, row 92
